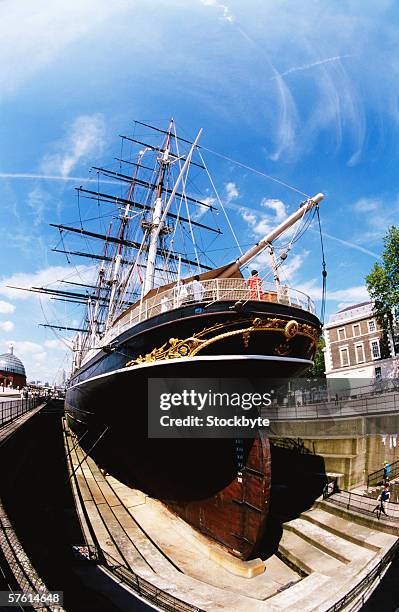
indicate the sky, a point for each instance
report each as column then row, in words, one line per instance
column 307, row 93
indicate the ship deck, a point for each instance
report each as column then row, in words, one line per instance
column 325, row 554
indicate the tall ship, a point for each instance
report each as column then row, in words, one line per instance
column 161, row 307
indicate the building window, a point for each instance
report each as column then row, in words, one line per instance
column 371, row 325
column 356, row 329
column 378, row 373
column 341, row 334
column 344, row 354
column 359, row 351
column 375, row 349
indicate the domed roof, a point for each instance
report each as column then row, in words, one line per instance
column 10, row 363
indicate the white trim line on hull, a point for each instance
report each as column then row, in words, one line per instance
column 193, row 359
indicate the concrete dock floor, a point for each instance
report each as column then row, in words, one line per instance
column 331, row 552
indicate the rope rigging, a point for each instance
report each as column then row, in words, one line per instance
column 323, row 272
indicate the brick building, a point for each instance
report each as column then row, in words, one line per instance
column 356, row 346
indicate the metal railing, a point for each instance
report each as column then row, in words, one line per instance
column 376, row 573
column 377, row 477
column 214, row 290
column 363, row 505
column 330, row 487
column 293, row 444
column 94, row 553
column 13, row 409
column 353, row 407
column 147, row 590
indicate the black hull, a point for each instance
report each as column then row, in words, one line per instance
column 106, row 405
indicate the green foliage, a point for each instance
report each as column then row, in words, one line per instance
column 383, row 282
column 319, row 367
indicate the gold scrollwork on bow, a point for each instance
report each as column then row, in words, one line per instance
column 188, row 347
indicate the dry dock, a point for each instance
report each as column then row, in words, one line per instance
column 131, row 553
column 327, row 553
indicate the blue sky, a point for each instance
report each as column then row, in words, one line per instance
column 306, row 92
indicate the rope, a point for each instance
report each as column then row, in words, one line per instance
column 324, row 271
column 221, row 204
column 268, row 176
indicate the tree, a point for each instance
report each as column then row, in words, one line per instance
column 318, row 370
column 383, row 283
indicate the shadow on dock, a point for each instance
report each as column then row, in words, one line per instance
column 298, row 479
column 37, row 497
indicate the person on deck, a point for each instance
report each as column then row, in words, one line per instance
column 197, row 289
column 181, row 292
column 255, row 285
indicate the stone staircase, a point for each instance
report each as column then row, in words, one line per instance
column 335, row 551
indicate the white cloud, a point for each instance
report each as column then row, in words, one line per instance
column 261, row 223
column 320, row 62
column 355, row 294
column 6, row 307
column 26, row 347
column 277, row 206
column 6, row 326
column 85, row 137
column 34, row 358
column 226, row 13
column 201, row 210
column 41, row 278
column 287, row 271
column 231, row 191
column 287, row 126
column 349, row 296
column 367, row 204
column 58, row 344
column 54, row 177
column 38, row 201
column 40, row 364
column 34, row 34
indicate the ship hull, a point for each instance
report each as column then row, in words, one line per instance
column 220, row 486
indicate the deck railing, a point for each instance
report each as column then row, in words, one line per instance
column 214, row 290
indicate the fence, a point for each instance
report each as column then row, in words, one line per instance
column 377, row 477
column 148, row 591
column 352, row 407
column 330, row 487
column 93, row 553
column 376, row 573
column 362, row 504
column 13, row 409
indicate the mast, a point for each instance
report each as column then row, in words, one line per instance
column 156, row 218
column 114, row 281
column 273, row 235
column 159, row 215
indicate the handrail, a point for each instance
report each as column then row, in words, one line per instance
column 374, row 478
column 363, row 504
column 376, row 572
column 369, row 404
column 11, row 410
column 147, row 590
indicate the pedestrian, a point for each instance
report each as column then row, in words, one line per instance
column 255, row 285
column 387, row 470
column 197, row 289
column 383, row 499
column 164, row 303
column 181, row 292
